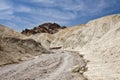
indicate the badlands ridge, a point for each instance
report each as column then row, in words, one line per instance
column 93, row 48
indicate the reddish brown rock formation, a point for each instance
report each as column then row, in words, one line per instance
column 50, row 28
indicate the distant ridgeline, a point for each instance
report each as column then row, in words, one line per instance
column 50, row 28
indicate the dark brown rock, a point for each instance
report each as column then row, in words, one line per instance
column 50, row 28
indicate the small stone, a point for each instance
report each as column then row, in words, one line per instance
column 81, row 72
column 75, row 69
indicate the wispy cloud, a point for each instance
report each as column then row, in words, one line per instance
column 54, row 13
column 6, row 11
column 4, row 5
column 43, row 1
column 22, row 8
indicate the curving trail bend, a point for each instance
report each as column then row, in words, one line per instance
column 54, row 66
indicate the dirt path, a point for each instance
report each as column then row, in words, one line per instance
column 54, row 66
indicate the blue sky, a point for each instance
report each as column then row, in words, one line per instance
column 21, row 14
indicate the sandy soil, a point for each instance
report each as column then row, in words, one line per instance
column 54, row 66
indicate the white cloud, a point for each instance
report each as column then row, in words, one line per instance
column 6, row 15
column 43, row 1
column 74, row 5
column 100, row 6
column 6, row 12
column 79, row 7
column 22, row 8
column 40, row 13
column 4, row 5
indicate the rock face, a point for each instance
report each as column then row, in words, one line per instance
column 14, row 47
column 50, row 28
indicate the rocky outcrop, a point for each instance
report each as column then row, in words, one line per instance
column 50, row 28
column 14, row 47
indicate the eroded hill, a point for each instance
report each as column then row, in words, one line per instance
column 14, row 47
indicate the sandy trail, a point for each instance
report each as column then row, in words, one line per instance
column 54, row 66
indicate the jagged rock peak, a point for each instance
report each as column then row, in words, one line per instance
column 50, row 28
